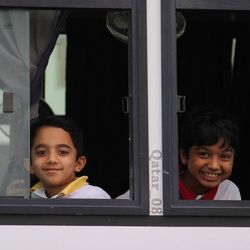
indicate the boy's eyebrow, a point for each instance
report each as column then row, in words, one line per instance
column 63, row 146
column 227, row 148
column 39, row 146
column 58, row 146
column 202, row 147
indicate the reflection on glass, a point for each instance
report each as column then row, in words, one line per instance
column 1, row 101
column 14, row 114
column 4, row 149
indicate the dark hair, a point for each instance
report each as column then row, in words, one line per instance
column 59, row 122
column 205, row 127
column 44, row 109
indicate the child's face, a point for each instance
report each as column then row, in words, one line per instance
column 207, row 166
column 53, row 159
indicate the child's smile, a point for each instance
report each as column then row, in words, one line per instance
column 52, row 170
column 207, row 166
column 210, row 176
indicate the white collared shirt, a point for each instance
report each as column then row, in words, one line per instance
column 78, row 189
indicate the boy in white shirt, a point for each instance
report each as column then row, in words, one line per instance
column 56, row 157
column 208, row 143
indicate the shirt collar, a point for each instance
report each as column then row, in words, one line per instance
column 186, row 194
column 73, row 186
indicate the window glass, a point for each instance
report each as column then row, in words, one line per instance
column 87, row 80
column 81, row 63
column 14, row 102
column 5, row 141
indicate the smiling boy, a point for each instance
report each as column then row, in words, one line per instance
column 56, row 157
column 208, row 143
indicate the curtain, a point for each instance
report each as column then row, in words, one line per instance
column 97, row 80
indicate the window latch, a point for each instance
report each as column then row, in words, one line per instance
column 8, row 100
column 126, row 105
column 181, row 103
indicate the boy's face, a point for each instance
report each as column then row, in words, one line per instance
column 53, row 159
column 207, row 166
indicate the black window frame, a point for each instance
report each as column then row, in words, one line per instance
column 173, row 206
column 138, row 205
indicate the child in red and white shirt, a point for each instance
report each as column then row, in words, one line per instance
column 208, row 144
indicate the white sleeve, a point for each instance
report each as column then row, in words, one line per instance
column 89, row 192
column 227, row 191
column 126, row 195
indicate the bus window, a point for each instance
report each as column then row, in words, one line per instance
column 213, row 68
column 209, row 68
column 83, row 65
